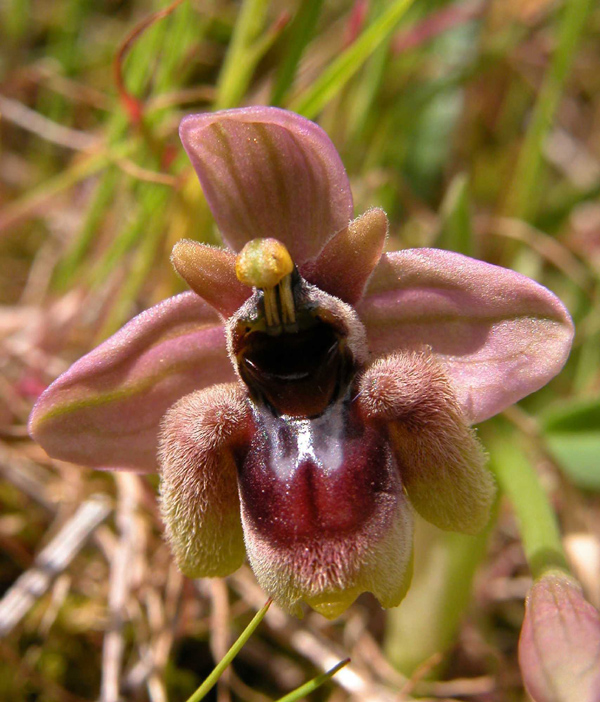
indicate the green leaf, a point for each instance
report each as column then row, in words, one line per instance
column 572, row 434
column 579, row 456
column 580, row 415
column 333, row 78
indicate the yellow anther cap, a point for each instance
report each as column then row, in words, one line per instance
column 263, row 263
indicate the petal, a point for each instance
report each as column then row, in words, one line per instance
column 210, row 272
column 440, row 460
column 267, row 172
column 501, row 335
column 346, row 263
column 325, row 517
column 105, row 410
column 199, row 493
column 559, row 648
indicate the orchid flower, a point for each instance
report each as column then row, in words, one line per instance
column 311, row 390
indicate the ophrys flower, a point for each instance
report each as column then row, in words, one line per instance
column 322, row 388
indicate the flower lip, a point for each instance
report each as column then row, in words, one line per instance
column 295, row 497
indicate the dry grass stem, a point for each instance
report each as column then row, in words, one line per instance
column 52, row 561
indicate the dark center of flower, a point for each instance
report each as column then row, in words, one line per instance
column 290, row 353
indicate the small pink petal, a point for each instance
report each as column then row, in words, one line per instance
column 105, row 410
column 266, row 173
column 349, row 258
column 559, row 648
column 210, row 273
column 500, row 335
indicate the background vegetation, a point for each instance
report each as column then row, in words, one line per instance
column 476, row 125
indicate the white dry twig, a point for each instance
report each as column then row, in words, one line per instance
column 120, row 585
column 52, row 561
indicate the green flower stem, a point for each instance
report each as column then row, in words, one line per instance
column 335, row 76
column 237, row 68
column 301, row 692
column 525, row 189
column 220, row 668
column 426, row 622
column 519, row 482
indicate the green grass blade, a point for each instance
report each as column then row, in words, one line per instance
column 363, row 102
column 16, row 16
column 183, row 30
column 313, row 684
column 96, row 212
column 220, row 668
column 176, row 36
column 36, row 197
column 333, row 79
column 151, row 200
column 300, row 32
column 525, row 190
column 151, row 225
column 456, row 231
column 369, row 83
column 238, row 66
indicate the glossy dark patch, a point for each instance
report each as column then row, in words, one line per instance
column 297, row 373
column 297, row 486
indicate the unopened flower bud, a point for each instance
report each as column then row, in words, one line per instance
column 559, row 648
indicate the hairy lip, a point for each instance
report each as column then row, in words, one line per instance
column 323, row 477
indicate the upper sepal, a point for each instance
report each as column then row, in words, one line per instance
column 105, row 410
column 500, row 335
column 267, row 172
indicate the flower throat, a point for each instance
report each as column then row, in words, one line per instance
column 291, row 353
